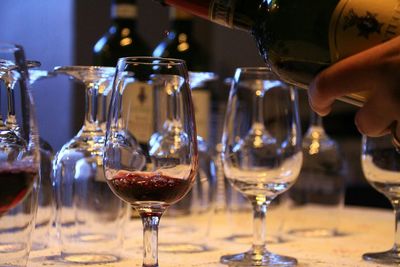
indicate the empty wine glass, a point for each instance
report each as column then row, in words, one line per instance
column 320, row 184
column 19, row 163
column 261, row 153
column 10, row 76
column 380, row 162
column 151, row 180
column 89, row 218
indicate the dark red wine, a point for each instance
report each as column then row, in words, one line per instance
column 151, row 187
column 15, row 184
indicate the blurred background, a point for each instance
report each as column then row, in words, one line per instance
column 63, row 32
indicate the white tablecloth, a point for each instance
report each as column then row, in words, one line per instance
column 362, row 230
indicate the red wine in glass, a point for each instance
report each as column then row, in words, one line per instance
column 15, row 184
column 148, row 187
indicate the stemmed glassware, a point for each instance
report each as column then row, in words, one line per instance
column 10, row 76
column 19, row 162
column 151, row 180
column 90, row 218
column 380, row 162
column 262, row 153
column 320, row 183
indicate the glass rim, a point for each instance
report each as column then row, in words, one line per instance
column 255, row 69
column 83, row 68
column 147, row 60
column 7, row 47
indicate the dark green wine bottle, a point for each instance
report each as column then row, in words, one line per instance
column 299, row 38
column 180, row 42
column 122, row 38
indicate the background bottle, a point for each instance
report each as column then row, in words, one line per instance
column 300, row 38
column 123, row 40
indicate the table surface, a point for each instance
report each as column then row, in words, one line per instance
column 361, row 230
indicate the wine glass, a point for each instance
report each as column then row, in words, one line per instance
column 380, row 162
column 19, row 163
column 10, row 76
column 320, row 184
column 151, row 178
column 46, row 205
column 261, row 153
column 89, row 217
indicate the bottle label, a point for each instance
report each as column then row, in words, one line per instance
column 221, row 12
column 137, row 106
column 123, row 11
column 201, row 103
column 358, row 24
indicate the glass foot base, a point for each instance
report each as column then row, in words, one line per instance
column 88, row 258
column 247, row 238
column 386, row 257
column 11, row 247
column 314, row 232
column 251, row 258
column 182, row 248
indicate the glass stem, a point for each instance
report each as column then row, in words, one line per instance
column 258, row 109
column 93, row 116
column 11, row 120
column 396, row 208
column 260, row 205
column 150, row 239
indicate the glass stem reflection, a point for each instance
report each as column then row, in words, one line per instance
column 396, row 208
column 260, row 205
column 150, row 239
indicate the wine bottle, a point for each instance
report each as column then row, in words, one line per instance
column 122, row 40
column 180, row 43
column 300, row 38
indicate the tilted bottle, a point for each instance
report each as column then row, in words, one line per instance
column 302, row 37
column 123, row 40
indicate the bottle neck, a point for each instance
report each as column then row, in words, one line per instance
column 240, row 14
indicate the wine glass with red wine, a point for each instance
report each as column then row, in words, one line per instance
column 150, row 178
column 262, row 153
column 19, row 160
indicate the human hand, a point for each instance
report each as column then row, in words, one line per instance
column 376, row 70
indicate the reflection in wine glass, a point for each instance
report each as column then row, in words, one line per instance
column 262, row 153
column 89, row 218
column 381, row 166
column 198, row 205
column 151, row 179
column 19, row 163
